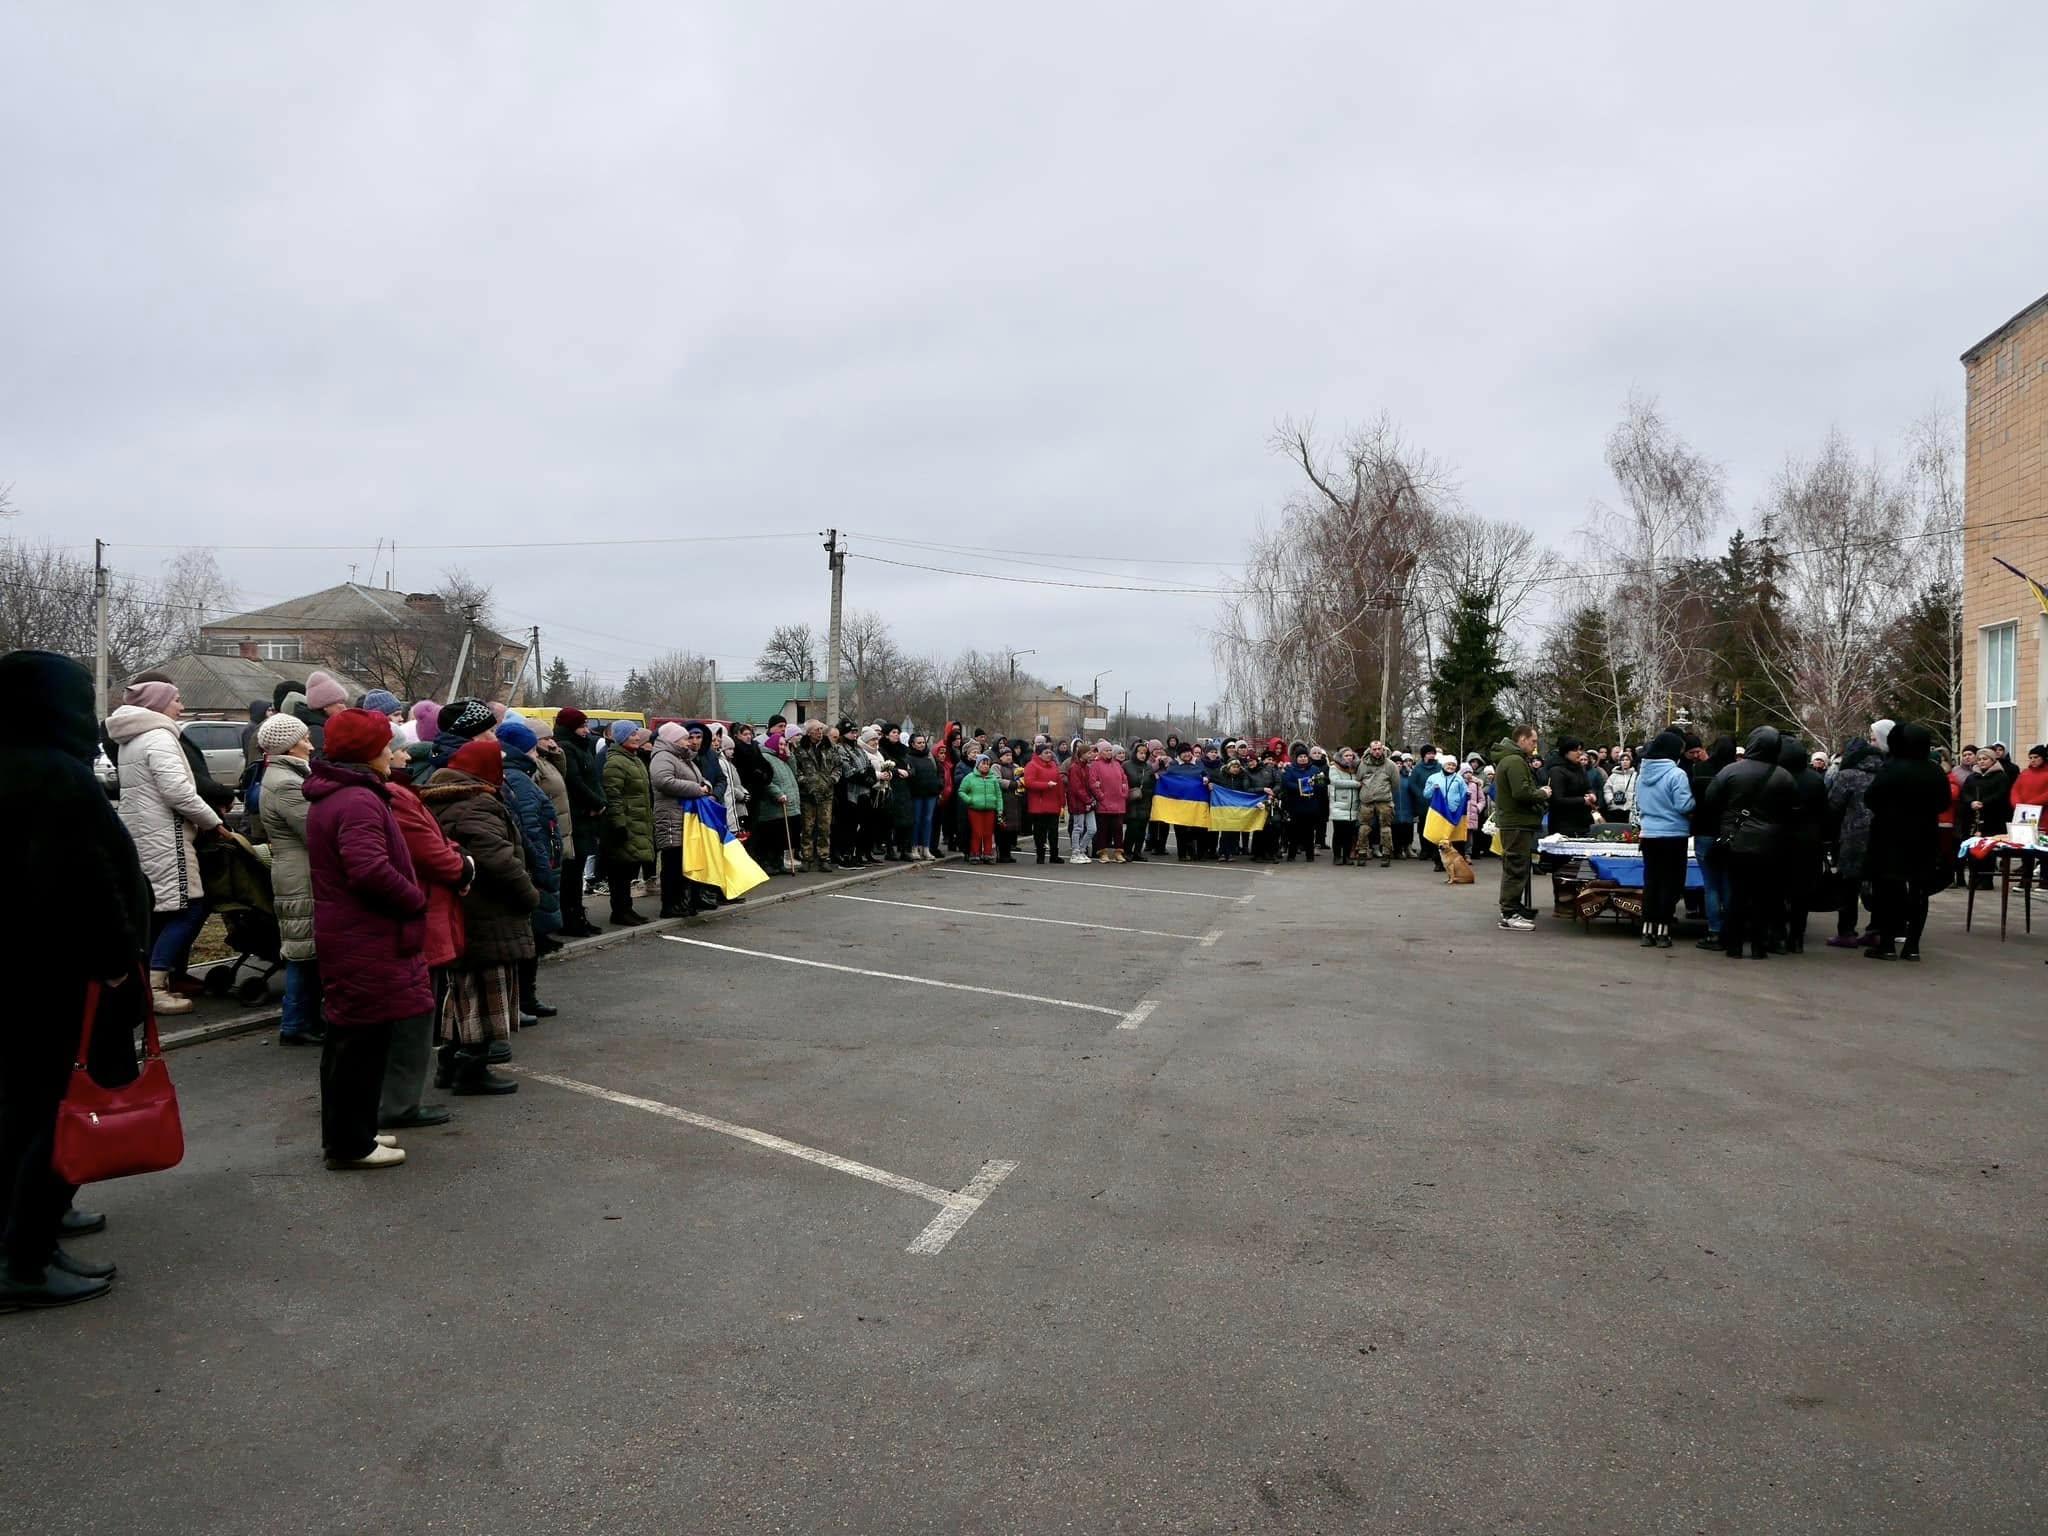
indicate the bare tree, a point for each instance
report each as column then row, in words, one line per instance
column 1320, row 624
column 590, row 693
column 1671, row 499
column 1933, row 470
column 196, row 586
column 790, row 656
column 870, row 657
column 1835, row 522
column 46, row 603
column 679, row 683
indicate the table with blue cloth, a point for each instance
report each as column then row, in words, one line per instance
column 1630, row 872
column 1593, row 885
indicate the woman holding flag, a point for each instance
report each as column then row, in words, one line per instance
column 1444, row 823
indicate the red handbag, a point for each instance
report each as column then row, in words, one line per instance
column 110, row 1133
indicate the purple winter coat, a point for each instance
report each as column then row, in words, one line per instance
column 369, row 912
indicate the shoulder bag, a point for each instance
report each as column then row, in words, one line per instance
column 110, row 1133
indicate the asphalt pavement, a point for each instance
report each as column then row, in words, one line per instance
column 1377, row 1219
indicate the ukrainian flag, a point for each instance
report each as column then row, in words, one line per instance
column 1180, row 798
column 1233, row 810
column 711, row 854
column 1446, row 820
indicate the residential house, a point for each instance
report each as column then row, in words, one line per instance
column 408, row 642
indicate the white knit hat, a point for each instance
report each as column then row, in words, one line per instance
column 277, row 734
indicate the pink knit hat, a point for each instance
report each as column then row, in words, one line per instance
column 323, row 692
column 153, row 696
column 426, row 716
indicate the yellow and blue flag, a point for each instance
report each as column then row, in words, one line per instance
column 1183, row 797
column 1445, row 822
column 711, row 854
column 1180, row 797
column 1235, row 810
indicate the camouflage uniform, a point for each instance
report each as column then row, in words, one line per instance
column 813, row 760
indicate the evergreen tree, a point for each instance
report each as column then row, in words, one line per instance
column 1470, row 675
column 560, row 687
column 638, row 692
column 1583, row 687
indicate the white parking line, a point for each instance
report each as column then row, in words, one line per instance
column 1139, row 1014
column 1013, row 917
column 956, row 1207
column 1208, row 940
column 918, row 981
column 1111, row 885
column 961, row 1206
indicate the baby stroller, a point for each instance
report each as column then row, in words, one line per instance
column 237, row 881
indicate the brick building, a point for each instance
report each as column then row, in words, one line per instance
column 407, row 642
column 2005, row 514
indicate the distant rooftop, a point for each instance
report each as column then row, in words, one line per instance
column 350, row 605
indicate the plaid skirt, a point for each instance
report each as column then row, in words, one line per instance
column 473, row 1007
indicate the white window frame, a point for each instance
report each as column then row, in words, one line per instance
column 2000, row 693
column 282, row 648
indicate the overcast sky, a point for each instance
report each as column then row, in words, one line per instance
column 1037, row 279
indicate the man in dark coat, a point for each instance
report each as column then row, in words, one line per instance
column 75, row 906
column 1905, row 861
column 1753, row 800
column 586, row 812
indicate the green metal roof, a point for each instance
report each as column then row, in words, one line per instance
column 754, row 702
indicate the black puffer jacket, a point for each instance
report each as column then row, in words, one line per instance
column 1755, row 789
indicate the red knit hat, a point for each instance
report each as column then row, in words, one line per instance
column 356, row 736
column 569, row 719
column 481, row 759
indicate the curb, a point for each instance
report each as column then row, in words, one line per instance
column 249, row 1023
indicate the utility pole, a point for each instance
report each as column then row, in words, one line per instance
column 1124, row 723
column 540, row 679
column 713, row 660
column 835, row 558
column 462, row 656
column 99, row 622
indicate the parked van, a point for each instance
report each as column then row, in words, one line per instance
column 600, row 719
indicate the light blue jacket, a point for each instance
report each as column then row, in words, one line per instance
column 1664, row 798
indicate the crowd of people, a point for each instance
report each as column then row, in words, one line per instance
column 422, row 858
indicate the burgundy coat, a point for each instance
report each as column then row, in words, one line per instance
column 369, row 913
column 444, row 868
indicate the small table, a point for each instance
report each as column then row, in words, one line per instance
column 2009, row 856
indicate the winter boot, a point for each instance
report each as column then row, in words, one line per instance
column 165, row 999
column 473, row 1075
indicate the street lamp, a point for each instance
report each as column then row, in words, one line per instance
column 1013, row 662
column 1095, row 693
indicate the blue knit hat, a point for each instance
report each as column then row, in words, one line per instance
column 517, row 736
column 623, row 731
column 381, row 700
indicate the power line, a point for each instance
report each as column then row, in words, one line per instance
column 1039, row 581
column 985, row 549
column 708, row 538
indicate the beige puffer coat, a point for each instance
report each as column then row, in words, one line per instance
column 673, row 775
column 160, row 806
column 282, row 810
